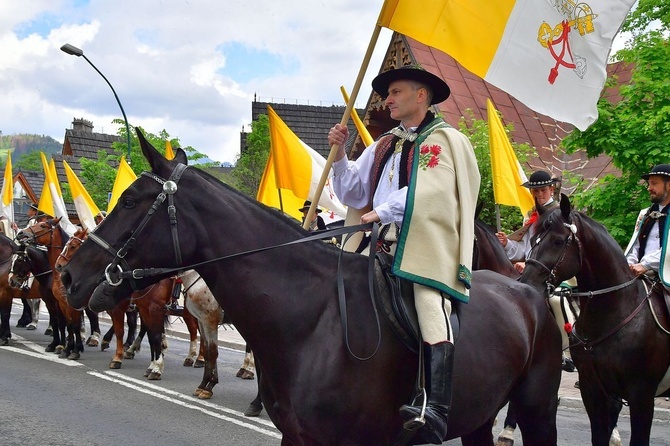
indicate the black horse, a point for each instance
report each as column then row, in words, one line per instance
column 284, row 302
column 621, row 339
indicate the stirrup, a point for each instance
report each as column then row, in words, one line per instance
column 417, row 422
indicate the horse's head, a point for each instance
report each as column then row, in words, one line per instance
column 40, row 233
column 555, row 255
column 20, row 270
column 135, row 234
column 70, row 248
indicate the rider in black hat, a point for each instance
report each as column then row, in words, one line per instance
column 400, row 177
column 645, row 247
column 317, row 222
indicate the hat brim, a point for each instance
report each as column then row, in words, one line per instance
column 440, row 88
column 539, row 184
column 660, row 174
column 306, row 208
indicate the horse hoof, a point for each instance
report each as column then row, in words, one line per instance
column 240, row 372
column 92, row 342
column 63, row 354
column 5, row 341
column 197, row 391
column 154, row 376
column 199, row 364
column 128, row 355
column 115, row 365
column 59, row 349
column 504, row 442
column 147, row 372
column 48, row 332
column 253, row 411
column 247, row 375
column 104, row 346
column 50, row 349
column 205, row 395
column 73, row 356
column 188, row 362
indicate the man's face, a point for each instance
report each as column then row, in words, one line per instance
column 658, row 189
column 542, row 194
column 402, row 100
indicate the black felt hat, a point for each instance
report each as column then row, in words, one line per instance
column 658, row 169
column 415, row 73
column 306, row 205
column 539, row 179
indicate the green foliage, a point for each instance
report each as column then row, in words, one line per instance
column 98, row 177
column 634, row 132
column 478, row 132
column 28, row 161
column 250, row 164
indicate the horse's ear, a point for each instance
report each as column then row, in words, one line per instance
column 180, row 156
column 155, row 158
column 566, row 207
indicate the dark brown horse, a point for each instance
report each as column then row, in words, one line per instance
column 51, row 235
column 284, row 302
column 621, row 338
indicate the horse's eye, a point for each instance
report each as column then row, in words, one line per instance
column 558, row 242
column 128, row 203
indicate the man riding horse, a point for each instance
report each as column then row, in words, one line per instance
column 421, row 180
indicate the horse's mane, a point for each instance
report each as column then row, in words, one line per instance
column 273, row 213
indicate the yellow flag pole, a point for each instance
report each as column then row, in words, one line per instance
column 345, row 119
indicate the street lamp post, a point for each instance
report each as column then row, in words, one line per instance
column 74, row 51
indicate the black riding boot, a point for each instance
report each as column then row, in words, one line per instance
column 434, row 430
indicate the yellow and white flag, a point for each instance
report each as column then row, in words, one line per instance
column 362, row 130
column 169, row 153
column 293, row 171
column 549, row 55
column 124, row 178
column 506, row 171
column 51, row 192
column 83, row 203
column 7, row 194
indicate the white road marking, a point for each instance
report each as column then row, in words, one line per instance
column 140, row 386
column 47, row 357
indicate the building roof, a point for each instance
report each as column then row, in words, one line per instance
column 468, row 95
column 309, row 122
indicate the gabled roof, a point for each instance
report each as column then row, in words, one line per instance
column 469, row 92
column 310, row 123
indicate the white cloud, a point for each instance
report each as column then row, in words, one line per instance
column 168, row 62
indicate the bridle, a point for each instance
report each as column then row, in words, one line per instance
column 64, row 253
column 118, row 269
column 30, row 236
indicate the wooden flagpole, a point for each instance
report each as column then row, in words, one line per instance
column 344, row 121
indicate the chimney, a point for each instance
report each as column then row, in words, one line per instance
column 82, row 125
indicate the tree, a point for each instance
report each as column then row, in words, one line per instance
column 250, row 164
column 28, row 161
column 634, row 132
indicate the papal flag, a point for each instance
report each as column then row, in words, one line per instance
column 506, row 171
column 362, row 130
column 292, row 174
column 51, row 200
column 550, row 55
column 83, row 203
column 124, row 178
column 7, row 194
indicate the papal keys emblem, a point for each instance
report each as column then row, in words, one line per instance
column 579, row 17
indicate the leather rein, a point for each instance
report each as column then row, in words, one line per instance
column 119, row 270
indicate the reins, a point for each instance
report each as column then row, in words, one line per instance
column 119, row 270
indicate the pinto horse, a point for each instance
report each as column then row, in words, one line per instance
column 201, row 309
column 285, row 305
column 620, row 341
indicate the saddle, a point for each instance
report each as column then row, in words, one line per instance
column 395, row 297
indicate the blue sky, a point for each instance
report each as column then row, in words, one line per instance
column 190, row 67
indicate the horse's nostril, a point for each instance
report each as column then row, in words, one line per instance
column 65, row 279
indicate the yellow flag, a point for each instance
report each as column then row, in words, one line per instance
column 294, row 170
column 51, row 200
column 169, row 154
column 362, row 130
column 7, row 194
column 505, row 168
column 552, row 56
column 83, row 203
column 124, row 178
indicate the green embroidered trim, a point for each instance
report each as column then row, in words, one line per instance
column 465, row 276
